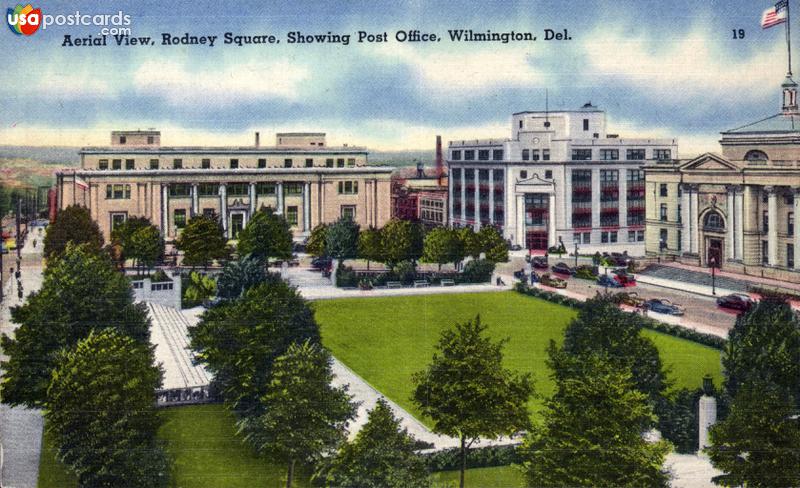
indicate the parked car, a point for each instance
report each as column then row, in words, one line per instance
column 520, row 275
column 553, row 282
column 662, row 305
column 586, row 272
column 539, row 262
column 562, row 268
column 630, row 298
column 738, row 301
column 624, row 277
column 606, row 280
column 617, row 259
column 321, row 263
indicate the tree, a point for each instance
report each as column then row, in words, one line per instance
column 341, row 240
column 469, row 242
column 202, row 241
column 101, row 412
column 73, row 224
column 81, row 292
column 757, row 443
column 369, row 245
column 467, row 392
column 304, row 417
column 239, row 340
column 121, row 235
column 401, row 240
column 591, row 433
column 442, row 245
column 491, row 243
column 601, row 327
column 316, row 245
column 381, row 456
column 265, row 236
column 198, row 289
column 146, row 247
column 240, row 275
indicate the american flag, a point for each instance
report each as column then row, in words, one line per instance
column 774, row 15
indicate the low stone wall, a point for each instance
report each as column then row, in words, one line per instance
column 193, row 395
column 167, row 293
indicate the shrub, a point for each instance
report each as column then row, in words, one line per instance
column 159, row 276
column 481, row 457
column 405, row 271
column 345, row 276
column 478, row 271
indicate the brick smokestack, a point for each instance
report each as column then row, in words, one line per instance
column 439, row 161
column 258, row 139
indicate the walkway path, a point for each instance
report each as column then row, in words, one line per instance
column 20, row 428
column 169, row 333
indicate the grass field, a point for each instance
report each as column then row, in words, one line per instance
column 499, row 477
column 386, row 340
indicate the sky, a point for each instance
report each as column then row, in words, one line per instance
column 659, row 69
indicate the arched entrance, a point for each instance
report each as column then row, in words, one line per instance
column 714, row 237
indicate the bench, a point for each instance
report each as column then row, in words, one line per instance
column 447, row 282
column 394, row 284
column 421, row 283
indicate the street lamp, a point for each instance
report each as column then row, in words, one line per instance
column 713, row 263
column 576, row 255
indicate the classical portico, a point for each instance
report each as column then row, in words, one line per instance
column 535, row 200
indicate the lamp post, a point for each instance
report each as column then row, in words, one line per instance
column 713, row 263
column 576, row 255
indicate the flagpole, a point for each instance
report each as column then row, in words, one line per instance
column 789, row 36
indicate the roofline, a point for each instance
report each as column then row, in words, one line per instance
column 551, row 112
column 299, row 133
column 226, row 171
column 221, row 150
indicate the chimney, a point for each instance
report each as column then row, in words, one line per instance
column 439, row 161
column 258, row 140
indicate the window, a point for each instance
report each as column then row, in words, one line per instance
column 180, row 190
column 208, row 189
column 291, row 214
column 680, row 214
column 545, row 155
column 535, row 155
column 209, row 213
column 790, row 255
column 116, row 164
column 526, row 154
column 348, row 211
column 631, row 236
column 102, row 164
column 351, row 162
column 150, row 139
column 177, row 163
column 662, row 189
column 548, row 174
column 179, row 218
column 765, row 221
column 790, row 223
column 329, row 163
column 609, row 154
column 497, row 155
column 582, row 238
column 154, row 164
column 205, row 163
column 520, row 123
column 663, row 234
column 469, row 155
column 634, row 154
column 455, row 155
column 340, row 163
column 523, row 174
column 713, row 222
column 265, row 189
column 756, row 155
column 608, row 237
column 309, row 162
column 663, row 154
column 585, row 124
column 123, row 139
column 764, row 252
column 130, row 164
column 293, row 188
column 237, row 189
column 287, row 163
column 581, row 154
column 348, row 187
column 680, row 239
column 118, row 192
column 483, row 154
column 663, row 212
column 118, row 218
column 262, row 162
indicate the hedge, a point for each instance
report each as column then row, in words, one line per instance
column 480, row 457
column 647, row 322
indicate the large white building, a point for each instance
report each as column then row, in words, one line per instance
column 559, row 178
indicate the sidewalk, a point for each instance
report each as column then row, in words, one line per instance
column 757, row 280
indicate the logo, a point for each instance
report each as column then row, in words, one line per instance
column 24, row 20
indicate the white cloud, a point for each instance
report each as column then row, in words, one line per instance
column 222, row 85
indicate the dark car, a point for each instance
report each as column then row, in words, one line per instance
column 661, row 305
column 606, row 280
column 562, row 268
column 321, row 263
column 738, row 301
column 624, row 277
column 520, row 275
column 539, row 262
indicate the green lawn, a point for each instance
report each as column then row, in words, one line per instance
column 385, row 340
column 499, row 477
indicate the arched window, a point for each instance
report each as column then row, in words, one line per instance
column 714, row 221
column 756, row 155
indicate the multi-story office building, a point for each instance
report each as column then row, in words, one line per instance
column 734, row 210
column 421, row 198
column 560, row 178
column 300, row 177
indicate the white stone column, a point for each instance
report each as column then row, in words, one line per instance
column 491, row 196
column 551, row 220
column 223, row 207
column 165, row 210
column 772, row 231
column 707, row 417
column 252, row 195
column 450, row 215
column 463, row 196
column 195, row 199
column 695, row 218
column 279, row 191
column 796, row 229
column 739, row 204
column 520, row 214
column 307, row 207
column 477, row 198
column 567, row 195
column 686, row 219
column 730, row 225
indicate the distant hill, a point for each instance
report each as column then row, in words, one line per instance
column 402, row 158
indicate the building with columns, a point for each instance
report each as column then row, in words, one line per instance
column 301, row 177
column 735, row 210
column 560, row 178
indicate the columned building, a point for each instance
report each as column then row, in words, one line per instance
column 560, row 178
column 301, row 177
column 735, row 210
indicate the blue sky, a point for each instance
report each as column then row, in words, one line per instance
column 660, row 69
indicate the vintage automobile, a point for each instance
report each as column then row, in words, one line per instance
column 624, row 277
column 738, row 301
column 608, row 281
column 551, row 281
column 321, row 263
column 562, row 268
column 630, row 298
column 662, row 305
column 539, row 262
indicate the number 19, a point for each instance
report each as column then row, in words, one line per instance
column 738, row 33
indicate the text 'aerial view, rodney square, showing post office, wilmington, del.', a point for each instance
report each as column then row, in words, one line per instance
column 414, row 244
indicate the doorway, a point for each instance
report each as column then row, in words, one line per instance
column 714, row 256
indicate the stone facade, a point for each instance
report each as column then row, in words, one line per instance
column 301, row 178
column 734, row 210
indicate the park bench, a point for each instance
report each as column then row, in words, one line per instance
column 447, row 282
column 421, row 283
column 394, row 284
